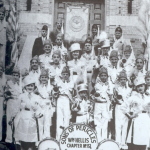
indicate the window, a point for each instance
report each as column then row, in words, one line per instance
column 29, row 2
column 130, row 6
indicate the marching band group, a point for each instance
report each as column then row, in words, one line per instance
column 100, row 83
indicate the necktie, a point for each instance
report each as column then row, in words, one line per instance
column 29, row 95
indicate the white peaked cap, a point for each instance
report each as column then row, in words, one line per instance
column 28, row 80
column 139, row 80
column 106, row 43
column 75, row 47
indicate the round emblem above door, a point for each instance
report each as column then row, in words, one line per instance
column 76, row 23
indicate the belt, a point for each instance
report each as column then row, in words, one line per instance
column 101, row 101
column 81, row 115
column 89, row 71
column 27, row 109
column 144, row 111
column 74, row 73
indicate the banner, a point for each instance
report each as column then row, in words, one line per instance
column 76, row 24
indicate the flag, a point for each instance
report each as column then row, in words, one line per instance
column 144, row 27
column 13, row 27
column 62, row 28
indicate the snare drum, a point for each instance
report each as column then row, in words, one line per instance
column 49, row 144
column 108, row 145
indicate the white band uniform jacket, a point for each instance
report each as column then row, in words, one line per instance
column 121, row 120
column 102, row 114
column 48, row 111
column 45, row 59
column 63, row 105
column 141, row 122
column 76, row 67
column 25, row 123
column 83, row 115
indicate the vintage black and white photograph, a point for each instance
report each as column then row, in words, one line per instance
column 74, row 74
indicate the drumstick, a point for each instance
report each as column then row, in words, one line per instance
column 37, row 125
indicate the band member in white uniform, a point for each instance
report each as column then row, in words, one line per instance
column 76, row 65
column 128, row 60
column 44, row 91
column 102, row 112
column 2, row 85
column 34, row 70
column 137, row 109
column 66, row 87
column 121, row 93
column 29, row 129
column 82, row 105
column 12, row 91
column 46, row 58
column 119, row 41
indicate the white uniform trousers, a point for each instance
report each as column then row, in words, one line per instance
column 2, row 54
column 63, row 114
column 101, row 118
column 1, row 115
column 11, row 111
column 121, row 124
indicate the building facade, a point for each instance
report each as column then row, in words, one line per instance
column 106, row 13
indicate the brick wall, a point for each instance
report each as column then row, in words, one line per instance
column 37, row 6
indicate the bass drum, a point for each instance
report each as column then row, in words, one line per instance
column 49, row 144
column 108, row 145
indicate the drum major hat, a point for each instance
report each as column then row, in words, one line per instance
column 128, row 49
column 45, row 27
column 141, row 56
column 114, row 53
column 82, row 87
column 16, row 70
column 57, row 52
column 106, row 43
column 28, row 80
column 118, row 29
column 122, row 74
column 65, row 70
column 35, row 58
column 94, row 26
column 47, row 42
column 103, row 70
column 139, row 80
column 44, row 72
column 75, row 47
column 88, row 40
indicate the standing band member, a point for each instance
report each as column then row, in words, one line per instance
column 12, row 91
column 39, row 42
column 82, row 105
column 63, row 102
column 136, row 110
column 102, row 113
column 2, row 85
column 28, row 127
column 121, row 93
